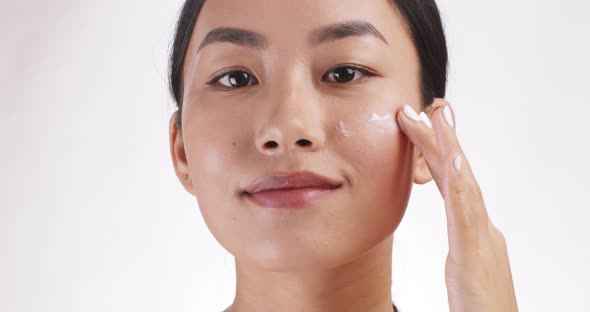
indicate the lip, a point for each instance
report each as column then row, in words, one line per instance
column 290, row 189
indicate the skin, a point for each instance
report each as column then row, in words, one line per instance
column 335, row 255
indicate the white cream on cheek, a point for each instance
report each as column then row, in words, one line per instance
column 343, row 130
column 384, row 123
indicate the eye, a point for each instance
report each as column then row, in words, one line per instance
column 347, row 73
column 236, row 79
column 233, row 79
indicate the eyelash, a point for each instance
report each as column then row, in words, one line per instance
column 366, row 72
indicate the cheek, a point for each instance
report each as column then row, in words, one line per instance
column 213, row 131
column 211, row 156
column 388, row 165
column 211, row 163
column 382, row 157
column 207, row 149
column 207, row 160
column 219, row 157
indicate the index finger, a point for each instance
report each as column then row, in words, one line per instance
column 449, row 167
column 463, row 197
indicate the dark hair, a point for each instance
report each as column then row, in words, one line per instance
column 421, row 19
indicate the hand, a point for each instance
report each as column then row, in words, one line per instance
column 477, row 270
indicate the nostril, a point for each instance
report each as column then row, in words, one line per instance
column 271, row 144
column 304, row 142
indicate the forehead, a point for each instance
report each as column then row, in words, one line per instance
column 287, row 24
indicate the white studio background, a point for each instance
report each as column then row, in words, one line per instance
column 92, row 217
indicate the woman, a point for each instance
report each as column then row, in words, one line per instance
column 297, row 131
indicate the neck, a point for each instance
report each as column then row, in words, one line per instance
column 361, row 285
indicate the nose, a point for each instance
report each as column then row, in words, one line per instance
column 289, row 136
column 294, row 123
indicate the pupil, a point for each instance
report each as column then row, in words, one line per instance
column 238, row 79
column 344, row 74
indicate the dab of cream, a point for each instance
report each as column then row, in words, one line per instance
column 384, row 122
column 342, row 130
column 377, row 117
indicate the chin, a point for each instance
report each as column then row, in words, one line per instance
column 297, row 255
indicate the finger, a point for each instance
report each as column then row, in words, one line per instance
column 418, row 129
column 463, row 199
column 443, row 123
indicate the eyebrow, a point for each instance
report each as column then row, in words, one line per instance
column 258, row 41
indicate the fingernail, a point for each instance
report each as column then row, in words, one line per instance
column 426, row 119
column 448, row 116
column 457, row 163
column 410, row 113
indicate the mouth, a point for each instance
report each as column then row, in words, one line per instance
column 291, row 198
column 290, row 189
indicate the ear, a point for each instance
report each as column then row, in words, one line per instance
column 179, row 155
column 421, row 172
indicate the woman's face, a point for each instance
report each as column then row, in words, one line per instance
column 295, row 84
